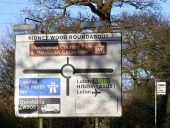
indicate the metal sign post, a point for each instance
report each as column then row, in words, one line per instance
column 40, row 122
column 97, row 122
column 155, row 103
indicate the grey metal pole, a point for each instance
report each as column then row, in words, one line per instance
column 155, row 103
column 96, row 122
column 40, row 122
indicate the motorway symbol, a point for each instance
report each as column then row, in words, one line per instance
column 52, row 87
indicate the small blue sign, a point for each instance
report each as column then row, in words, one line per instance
column 39, row 86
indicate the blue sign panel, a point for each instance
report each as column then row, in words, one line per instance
column 39, row 86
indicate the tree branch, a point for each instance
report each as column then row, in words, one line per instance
column 138, row 4
column 97, row 12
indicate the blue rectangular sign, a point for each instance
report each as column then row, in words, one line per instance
column 39, row 86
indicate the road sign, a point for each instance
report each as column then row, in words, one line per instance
column 34, row 106
column 68, row 75
column 39, row 86
column 161, row 88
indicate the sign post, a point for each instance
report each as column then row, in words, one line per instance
column 40, row 124
column 155, row 103
column 68, row 75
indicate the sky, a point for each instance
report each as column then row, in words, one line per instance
column 11, row 12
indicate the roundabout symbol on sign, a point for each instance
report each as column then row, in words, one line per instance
column 67, row 70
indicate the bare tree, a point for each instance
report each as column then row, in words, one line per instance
column 7, row 60
column 145, row 44
column 56, row 10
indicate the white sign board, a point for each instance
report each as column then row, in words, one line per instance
column 161, row 88
column 68, row 75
